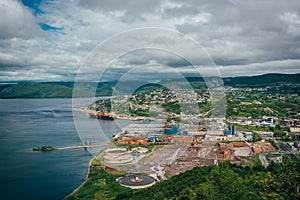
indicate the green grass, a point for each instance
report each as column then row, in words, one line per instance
column 101, row 184
column 168, row 176
column 268, row 156
column 249, row 161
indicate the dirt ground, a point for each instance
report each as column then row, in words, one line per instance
column 157, row 162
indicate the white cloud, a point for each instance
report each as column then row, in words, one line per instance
column 279, row 66
column 16, row 20
column 241, row 36
column 290, row 18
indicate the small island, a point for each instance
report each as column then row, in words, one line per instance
column 44, row 148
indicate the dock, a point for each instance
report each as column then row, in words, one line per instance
column 50, row 148
column 82, row 146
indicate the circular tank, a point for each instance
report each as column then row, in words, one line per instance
column 137, row 181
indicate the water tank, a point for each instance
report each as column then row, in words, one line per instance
column 172, row 130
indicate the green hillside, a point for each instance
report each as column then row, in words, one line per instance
column 225, row 181
column 262, row 80
column 36, row 90
column 53, row 90
column 102, row 88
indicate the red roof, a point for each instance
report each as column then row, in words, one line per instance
column 183, row 139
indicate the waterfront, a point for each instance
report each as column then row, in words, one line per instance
column 28, row 123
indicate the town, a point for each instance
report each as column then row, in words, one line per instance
column 261, row 126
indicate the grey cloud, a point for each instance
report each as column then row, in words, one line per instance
column 16, row 20
column 241, row 32
column 280, row 66
column 147, row 56
column 130, row 17
column 134, row 9
column 183, row 10
column 109, row 5
column 104, row 5
column 242, row 37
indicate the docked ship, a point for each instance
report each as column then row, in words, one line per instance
column 103, row 115
column 106, row 116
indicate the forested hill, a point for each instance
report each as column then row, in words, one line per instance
column 64, row 89
column 53, row 90
column 262, row 80
column 35, row 90
column 225, row 181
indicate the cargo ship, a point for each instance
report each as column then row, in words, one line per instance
column 107, row 116
column 103, row 115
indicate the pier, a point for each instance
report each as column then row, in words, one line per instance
column 50, row 148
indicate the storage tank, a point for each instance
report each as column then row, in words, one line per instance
column 232, row 130
column 173, row 130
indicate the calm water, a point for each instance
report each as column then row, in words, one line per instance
column 28, row 123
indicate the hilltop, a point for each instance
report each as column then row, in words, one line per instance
column 262, row 80
column 35, row 90
column 52, row 90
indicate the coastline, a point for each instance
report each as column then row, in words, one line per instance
column 120, row 116
column 87, row 174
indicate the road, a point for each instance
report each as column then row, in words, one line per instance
column 292, row 156
column 263, row 159
column 285, row 148
column 173, row 158
column 282, row 146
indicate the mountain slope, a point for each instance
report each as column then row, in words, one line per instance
column 225, row 181
column 262, row 80
column 36, row 90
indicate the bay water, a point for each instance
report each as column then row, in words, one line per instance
column 29, row 123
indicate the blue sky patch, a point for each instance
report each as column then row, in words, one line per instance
column 33, row 5
column 47, row 27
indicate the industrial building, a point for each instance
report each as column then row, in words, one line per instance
column 137, row 182
column 265, row 134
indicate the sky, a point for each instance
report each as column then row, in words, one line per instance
column 48, row 40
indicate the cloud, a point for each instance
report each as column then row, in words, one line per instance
column 16, row 20
column 240, row 31
column 289, row 66
column 50, row 39
column 290, row 18
column 134, row 6
column 292, row 21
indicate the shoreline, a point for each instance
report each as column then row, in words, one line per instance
column 120, row 116
column 87, row 111
column 87, row 174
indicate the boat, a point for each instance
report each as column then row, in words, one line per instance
column 103, row 114
column 106, row 116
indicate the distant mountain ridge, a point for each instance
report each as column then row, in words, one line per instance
column 35, row 90
column 262, row 80
column 65, row 89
